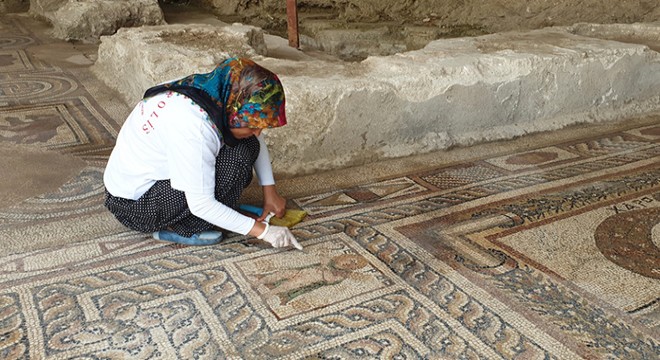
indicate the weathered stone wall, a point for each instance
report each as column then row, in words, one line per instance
column 219, row 7
column 488, row 15
column 14, row 6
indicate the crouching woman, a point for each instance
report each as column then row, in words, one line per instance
column 187, row 151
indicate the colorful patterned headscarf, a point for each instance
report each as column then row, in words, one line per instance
column 237, row 93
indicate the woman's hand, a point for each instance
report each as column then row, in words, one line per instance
column 273, row 203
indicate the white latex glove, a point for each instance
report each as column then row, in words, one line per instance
column 279, row 236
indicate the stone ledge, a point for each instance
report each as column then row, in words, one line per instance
column 452, row 92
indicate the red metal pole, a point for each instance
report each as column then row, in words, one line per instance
column 292, row 23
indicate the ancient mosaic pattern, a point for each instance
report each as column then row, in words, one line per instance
column 549, row 253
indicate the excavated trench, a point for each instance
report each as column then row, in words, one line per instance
column 355, row 29
column 322, row 30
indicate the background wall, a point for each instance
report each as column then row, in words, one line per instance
column 485, row 15
column 11, row 6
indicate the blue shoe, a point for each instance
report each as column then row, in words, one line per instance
column 200, row 239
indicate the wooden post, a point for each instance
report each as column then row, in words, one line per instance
column 292, row 23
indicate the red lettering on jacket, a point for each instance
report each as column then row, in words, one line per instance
column 148, row 126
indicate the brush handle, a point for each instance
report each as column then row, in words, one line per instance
column 251, row 209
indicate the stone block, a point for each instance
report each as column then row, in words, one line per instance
column 450, row 93
column 87, row 20
column 135, row 59
column 457, row 92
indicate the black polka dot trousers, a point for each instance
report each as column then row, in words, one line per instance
column 162, row 207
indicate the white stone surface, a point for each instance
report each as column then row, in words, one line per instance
column 452, row 92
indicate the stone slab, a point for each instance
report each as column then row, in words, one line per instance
column 451, row 93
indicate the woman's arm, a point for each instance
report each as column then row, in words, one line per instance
column 262, row 165
column 206, row 207
column 273, row 202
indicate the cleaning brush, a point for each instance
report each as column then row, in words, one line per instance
column 291, row 216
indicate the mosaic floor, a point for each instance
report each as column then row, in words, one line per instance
column 548, row 253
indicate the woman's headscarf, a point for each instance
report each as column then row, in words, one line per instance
column 237, row 93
